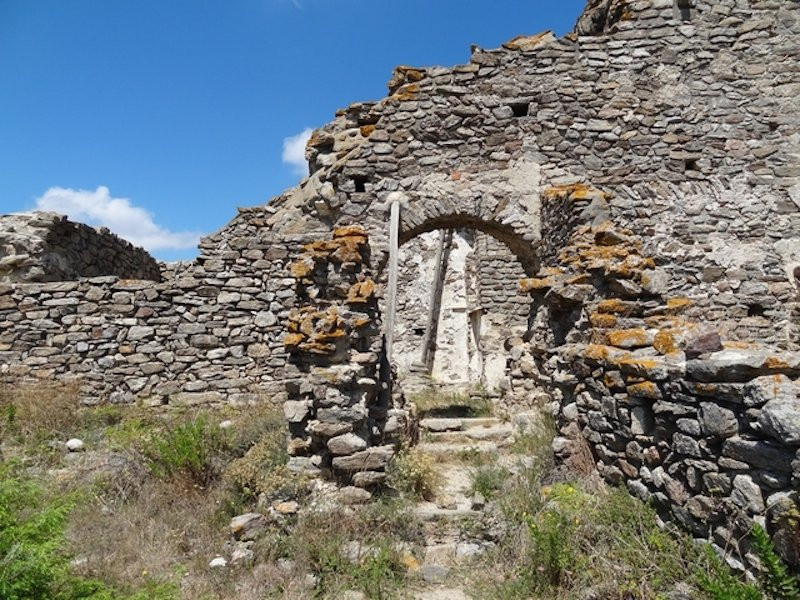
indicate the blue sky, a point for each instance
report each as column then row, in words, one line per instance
column 158, row 117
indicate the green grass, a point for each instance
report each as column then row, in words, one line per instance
column 34, row 562
column 488, row 480
column 434, row 402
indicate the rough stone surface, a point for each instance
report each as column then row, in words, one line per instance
column 643, row 172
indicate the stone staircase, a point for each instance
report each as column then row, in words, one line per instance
column 457, row 444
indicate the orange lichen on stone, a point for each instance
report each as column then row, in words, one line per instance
column 574, row 192
column 602, row 321
column 646, row 389
column 614, row 306
column 678, row 305
column 318, row 138
column 406, row 93
column 366, row 130
column 361, row 292
column 628, row 338
column 596, row 352
column 535, row 284
column 529, row 42
column 292, row 340
column 350, row 231
column 301, row 269
column 580, row 279
column 773, row 362
column 664, row 342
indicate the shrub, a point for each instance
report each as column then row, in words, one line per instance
column 34, row 562
column 413, row 472
column 488, row 480
column 192, row 449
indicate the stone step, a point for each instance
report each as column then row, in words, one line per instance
column 457, row 423
column 428, row 511
column 497, row 433
column 457, row 451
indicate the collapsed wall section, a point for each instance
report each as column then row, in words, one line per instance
column 40, row 246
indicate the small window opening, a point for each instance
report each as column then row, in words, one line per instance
column 684, row 9
column 361, row 183
column 691, row 164
column 419, row 331
column 755, row 310
column 520, row 109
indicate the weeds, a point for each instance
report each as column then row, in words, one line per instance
column 434, row 402
column 414, row 472
column 775, row 578
column 488, row 480
column 36, row 413
column 191, row 449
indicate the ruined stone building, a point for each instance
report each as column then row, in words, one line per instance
column 621, row 208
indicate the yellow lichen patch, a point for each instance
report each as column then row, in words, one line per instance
column 628, row 338
column 614, row 306
column 406, row 93
column 602, row 321
column 664, row 342
column 535, row 284
column 574, row 192
column 301, row 269
column 319, row 138
column 550, row 271
column 773, row 362
column 529, row 42
column 678, row 305
column 580, row 279
column 734, row 345
column 366, row 130
column 349, row 231
column 361, row 292
column 596, row 352
column 361, row 322
column 292, row 340
column 646, row 389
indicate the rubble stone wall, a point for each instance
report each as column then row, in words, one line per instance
column 38, row 247
column 643, row 170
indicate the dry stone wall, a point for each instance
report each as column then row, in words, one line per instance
column 37, row 247
column 643, row 170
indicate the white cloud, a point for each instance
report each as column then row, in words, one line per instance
column 127, row 220
column 294, row 151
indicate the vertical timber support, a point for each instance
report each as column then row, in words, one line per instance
column 395, row 199
column 435, row 305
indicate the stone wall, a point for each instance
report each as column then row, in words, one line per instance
column 704, row 427
column 646, row 168
column 39, row 247
column 208, row 333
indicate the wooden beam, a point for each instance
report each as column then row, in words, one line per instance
column 391, row 292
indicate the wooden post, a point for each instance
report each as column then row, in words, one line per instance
column 435, row 305
column 391, row 292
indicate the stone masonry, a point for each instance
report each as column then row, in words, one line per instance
column 643, row 170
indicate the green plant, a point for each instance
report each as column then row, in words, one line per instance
column 413, row 472
column 718, row 583
column 34, row 562
column 774, row 576
column 551, row 551
column 435, row 402
column 488, row 480
column 191, row 449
